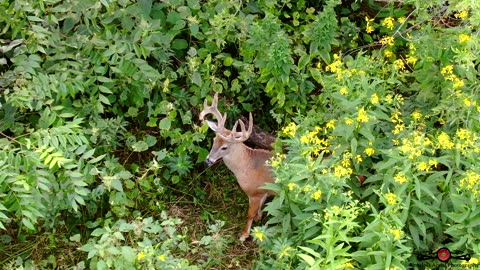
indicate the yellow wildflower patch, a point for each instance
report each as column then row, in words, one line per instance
column 461, row 15
column 290, row 129
column 387, row 40
column 258, row 234
column 397, row 234
column 391, row 198
column 362, row 116
column 462, row 38
column 317, row 195
column 388, row 22
column 369, row 28
column 400, row 178
column 369, row 151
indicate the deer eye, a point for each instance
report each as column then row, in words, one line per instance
column 223, row 148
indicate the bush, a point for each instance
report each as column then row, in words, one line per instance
column 387, row 169
column 99, row 134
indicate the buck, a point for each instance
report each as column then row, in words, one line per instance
column 247, row 164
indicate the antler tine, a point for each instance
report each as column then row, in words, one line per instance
column 244, row 134
column 213, row 110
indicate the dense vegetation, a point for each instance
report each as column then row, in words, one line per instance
column 374, row 103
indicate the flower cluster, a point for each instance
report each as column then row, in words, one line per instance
column 415, row 145
column 397, row 234
column 316, row 144
column 369, row 28
column 400, row 178
column 391, row 198
column 448, row 74
column 290, row 129
column 471, row 181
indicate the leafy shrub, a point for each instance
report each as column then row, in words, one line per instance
column 387, row 169
column 98, row 123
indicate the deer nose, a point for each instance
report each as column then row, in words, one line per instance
column 209, row 162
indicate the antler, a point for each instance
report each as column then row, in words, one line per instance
column 241, row 136
column 234, row 136
column 214, row 110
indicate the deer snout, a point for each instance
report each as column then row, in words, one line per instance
column 210, row 161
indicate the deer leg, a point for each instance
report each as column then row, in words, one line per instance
column 254, row 211
column 259, row 215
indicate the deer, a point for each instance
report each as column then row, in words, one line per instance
column 249, row 165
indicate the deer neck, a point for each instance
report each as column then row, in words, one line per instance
column 238, row 160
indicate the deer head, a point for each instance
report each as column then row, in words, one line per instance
column 225, row 140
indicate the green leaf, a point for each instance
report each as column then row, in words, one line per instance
column 179, row 44
column 303, row 61
column 103, row 99
column 116, row 184
column 308, row 259
column 165, row 123
column 197, row 78
column 145, row 7
column 140, row 146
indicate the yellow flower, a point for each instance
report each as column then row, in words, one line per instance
column 291, row 186
column 400, row 178
column 447, row 70
column 369, row 28
column 470, row 262
column 374, row 98
column 388, row 23
column 391, row 198
column 290, row 129
column 433, row 163
column 358, row 158
column 401, row 19
column 471, row 181
column 140, row 255
column 348, row 121
column 423, row 166
column 386, row 40
column 462, row 38
column 398, row 128
column 343, row 91
column 307, row 188
column 340, row 171
column 389, row 98
column 457, row 83
column 304, row 139
column 416, row 115
column 258, row 234
column 362, row 116
column 369, row 151
column 444, row 141
column 331, row 124
column 388, row 53
column 396, row 233
column 398, row 64
column 412, row 60
column 317, row 195
column 348, row 265
column 462, row 15
column 162, row 258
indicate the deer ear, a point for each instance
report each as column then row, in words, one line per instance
column 212, row 125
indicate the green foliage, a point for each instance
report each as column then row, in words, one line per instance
column 99, row 133
column 389, row 169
